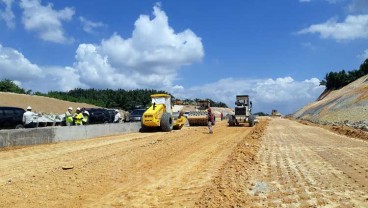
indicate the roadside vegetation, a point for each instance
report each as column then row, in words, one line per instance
column 337, row 80
column 107, row 98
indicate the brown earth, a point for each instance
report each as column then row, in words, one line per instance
column 290, row 165
column 39, row 103
column 341, row 129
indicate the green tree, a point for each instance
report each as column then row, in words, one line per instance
column 6, row 85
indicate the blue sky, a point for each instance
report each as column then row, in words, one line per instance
column 275, row 51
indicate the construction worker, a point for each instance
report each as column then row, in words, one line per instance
column 85, row 116
column 211, row 120
column 28, row 118
column 78, row 117
column 69, row 117
column 117, row 117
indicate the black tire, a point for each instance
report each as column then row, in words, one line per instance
column 251, row 121
column 143, row 127
column 19, row 126
column 166, row 122
column 232, row 121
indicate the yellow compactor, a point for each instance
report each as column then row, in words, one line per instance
column 160, row 114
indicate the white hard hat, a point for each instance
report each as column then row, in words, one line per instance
column 29, row 108
column 117, row 111
column 70, row 108
column 86, row 112
column 78, row 108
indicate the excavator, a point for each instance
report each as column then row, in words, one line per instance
column 160, row 114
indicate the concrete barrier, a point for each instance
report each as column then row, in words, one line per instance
column 46, row 135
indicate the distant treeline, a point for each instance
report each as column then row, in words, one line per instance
column 107, row 98
column 337, row 80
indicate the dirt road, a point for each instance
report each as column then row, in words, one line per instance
column 297, row 166
column 131, row 170
column 292, row 165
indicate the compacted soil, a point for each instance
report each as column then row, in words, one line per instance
column 277, row 163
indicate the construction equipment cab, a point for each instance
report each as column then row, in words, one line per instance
column 243, row 112
column 160, row 114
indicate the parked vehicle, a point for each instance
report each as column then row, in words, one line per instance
column 136, row 114
column 98, row 116
column 11, row 117
column 111, row 115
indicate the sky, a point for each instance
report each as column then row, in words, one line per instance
column 276, row 52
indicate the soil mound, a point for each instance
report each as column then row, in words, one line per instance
column 347, row 105
column 39, row 104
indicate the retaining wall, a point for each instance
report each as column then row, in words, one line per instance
column 46, row 135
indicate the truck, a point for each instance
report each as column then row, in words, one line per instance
column 243, row 112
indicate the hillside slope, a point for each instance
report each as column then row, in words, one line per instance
column 349, row 104
column 38, row 103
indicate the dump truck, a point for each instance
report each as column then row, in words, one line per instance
column 199, row 117
column 160, row 114
column 243, row 112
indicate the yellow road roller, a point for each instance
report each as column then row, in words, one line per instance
column 160, row 114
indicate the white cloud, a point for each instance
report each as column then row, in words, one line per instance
column 7, row 14
column 46, row 21
column 14, row 66
column 364, row 56
column 90, row 26
column 150, row 58
column 284, row 94
column 358, row 6
column 354, row 27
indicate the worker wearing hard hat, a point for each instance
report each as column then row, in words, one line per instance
column 78, row 117
column 117, row 117
column 85, row 114
column 28, row 118
column 69, row 117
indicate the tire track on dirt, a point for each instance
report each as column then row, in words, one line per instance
column 305, row 166
column 129, row 170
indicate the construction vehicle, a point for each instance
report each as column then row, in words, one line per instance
column 160, row 114
column 200, row 116
column 243, row 112
column 275, row 113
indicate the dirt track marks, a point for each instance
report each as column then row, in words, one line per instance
column 130, row 170
column 308, row 166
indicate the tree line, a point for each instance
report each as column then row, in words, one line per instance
column 106, row 98
column 337, row 80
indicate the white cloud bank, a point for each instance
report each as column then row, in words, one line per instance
column 7, row 14
column 354, row 27
column 45, row 21
column 150, row 59
column 285, row 94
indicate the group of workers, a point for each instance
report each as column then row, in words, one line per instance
column 79, row 118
